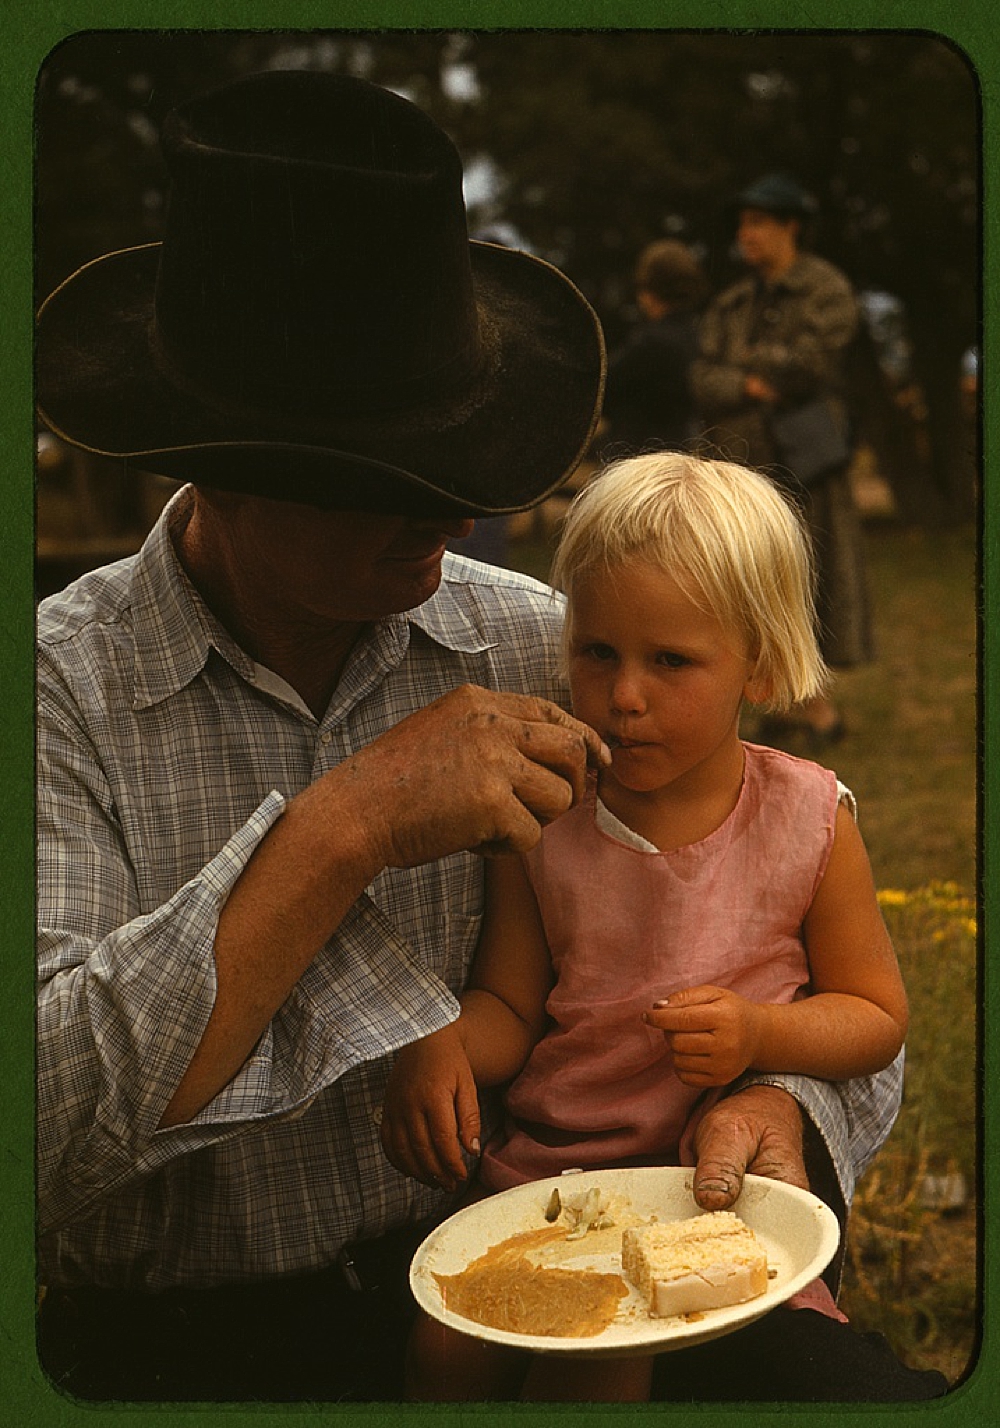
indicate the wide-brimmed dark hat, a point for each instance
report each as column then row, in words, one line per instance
column 316, row 325
column 778, row 193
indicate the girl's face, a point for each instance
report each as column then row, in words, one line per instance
column 659, row 679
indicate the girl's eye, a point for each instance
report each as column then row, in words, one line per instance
column 672, row 660
column 597, row 651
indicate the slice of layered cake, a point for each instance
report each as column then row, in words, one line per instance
column 706, row 1262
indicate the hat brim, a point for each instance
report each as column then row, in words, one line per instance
column 501, row 446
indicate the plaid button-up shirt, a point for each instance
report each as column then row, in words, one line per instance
column 165, row 755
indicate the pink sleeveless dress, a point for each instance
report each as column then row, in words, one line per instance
column 626, row 927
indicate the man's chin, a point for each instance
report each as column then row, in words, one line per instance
column 419, row 587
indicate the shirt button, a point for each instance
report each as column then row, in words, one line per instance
column 377, row 1115
column 326, row 737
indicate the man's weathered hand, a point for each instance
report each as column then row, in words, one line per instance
column 474, row 770
column 756, row 1130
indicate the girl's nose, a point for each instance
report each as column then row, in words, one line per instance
column 626, row 693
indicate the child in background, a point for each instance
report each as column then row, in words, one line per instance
column 706, row 909
column 648, row 404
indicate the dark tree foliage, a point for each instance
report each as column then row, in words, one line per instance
column 600, row 141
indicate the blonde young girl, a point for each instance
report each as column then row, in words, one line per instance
column 708, row 908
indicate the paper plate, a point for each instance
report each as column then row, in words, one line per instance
column 798, row 1231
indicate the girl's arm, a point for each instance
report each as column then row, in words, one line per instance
column 854, row 1022
column 431, row 1108
column 856, row 1019
column 503, row 1006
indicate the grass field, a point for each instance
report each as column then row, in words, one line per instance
column 910, row 757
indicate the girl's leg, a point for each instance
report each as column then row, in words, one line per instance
column 443, row 1366
column 552, row 1378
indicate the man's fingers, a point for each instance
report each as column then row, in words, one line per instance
column 522, row 832
column 543, row 711
column 717, row 1184
column 775, row 1162
column 561, row 747
column 725, row 1145
column 475, row 769
column 597, row 752
column 544, row 792
column 756, row 1130
column 537, row 797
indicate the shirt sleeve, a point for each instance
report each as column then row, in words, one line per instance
column 853, row 1117
column 125, row 995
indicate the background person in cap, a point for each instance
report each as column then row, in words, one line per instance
column 773, row 342
column 269, row 741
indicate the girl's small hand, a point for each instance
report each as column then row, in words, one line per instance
column 712, row 1032
column 431, row 1110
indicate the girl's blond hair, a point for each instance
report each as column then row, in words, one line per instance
column 730, row 539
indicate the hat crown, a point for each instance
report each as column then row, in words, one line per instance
column 777, row 193
column 316, row 325
column 326, row 119
column 315, row 247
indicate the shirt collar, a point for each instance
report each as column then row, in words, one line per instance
column 450, row 621
column 174, row 630
column 171, row 623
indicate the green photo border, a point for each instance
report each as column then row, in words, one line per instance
column 26, row 1399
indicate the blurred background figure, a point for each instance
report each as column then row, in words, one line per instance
column 773, row 346
column 647, row 402
column 969, row 396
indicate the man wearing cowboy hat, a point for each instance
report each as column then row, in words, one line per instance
column 272, row 742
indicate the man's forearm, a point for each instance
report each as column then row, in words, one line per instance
column 301, row 881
